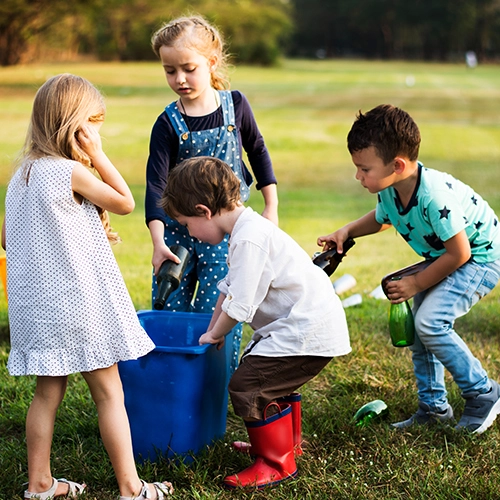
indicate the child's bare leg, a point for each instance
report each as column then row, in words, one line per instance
column 40, row 421
column 107, row 392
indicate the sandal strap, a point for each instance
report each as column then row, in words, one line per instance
column 162, row 491
column 75, row 489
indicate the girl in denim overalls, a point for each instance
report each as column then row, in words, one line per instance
column 206, row 120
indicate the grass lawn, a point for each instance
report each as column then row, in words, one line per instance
column 305, row 110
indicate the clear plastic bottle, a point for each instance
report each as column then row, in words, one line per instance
column 401, row 326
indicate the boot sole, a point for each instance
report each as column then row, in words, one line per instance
column 261, row 487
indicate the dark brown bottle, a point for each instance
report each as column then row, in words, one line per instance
column 170, row 275
column 330, row 260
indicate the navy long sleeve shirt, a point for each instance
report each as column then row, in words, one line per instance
column 164, row 147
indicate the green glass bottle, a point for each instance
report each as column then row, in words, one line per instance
column 401, row 327
column 369, row 412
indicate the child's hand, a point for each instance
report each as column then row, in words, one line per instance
column 208, row 338
column 160, row 255
column 334, row 240
column 400, row 290
column 90, row 140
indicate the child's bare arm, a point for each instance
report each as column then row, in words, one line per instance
column 457, row 253
column 220, row 325
column 161, row 252
column 218, row 331
column 217, row 311
column 112, row 192
column 361, row 227
column 270, row 194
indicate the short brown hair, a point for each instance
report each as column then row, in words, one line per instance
column 201, row 180
column 390, row 130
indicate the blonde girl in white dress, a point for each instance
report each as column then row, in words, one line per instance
column 69, row 308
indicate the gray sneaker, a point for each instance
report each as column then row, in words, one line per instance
column 425, row 416
column 480, row 410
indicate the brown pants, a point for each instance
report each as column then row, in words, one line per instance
column 261, row 379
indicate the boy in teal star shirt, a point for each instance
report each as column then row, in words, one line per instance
column 453, row 227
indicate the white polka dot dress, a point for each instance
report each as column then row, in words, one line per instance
column 69, row 308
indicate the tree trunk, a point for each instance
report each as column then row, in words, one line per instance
column 12, row 44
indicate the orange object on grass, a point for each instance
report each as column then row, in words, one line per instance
column 3, row 273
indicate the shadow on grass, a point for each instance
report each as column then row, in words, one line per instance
column 4, row 334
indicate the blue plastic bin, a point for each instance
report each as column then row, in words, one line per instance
column 176, row 396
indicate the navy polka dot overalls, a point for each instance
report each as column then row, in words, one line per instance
column 207, row 263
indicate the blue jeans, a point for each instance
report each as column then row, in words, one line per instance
column 437, row 346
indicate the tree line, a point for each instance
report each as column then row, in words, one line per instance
column 397, row 29
column 257, row 31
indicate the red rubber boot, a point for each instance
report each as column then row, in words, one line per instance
column 295, row 401
column 272, row 443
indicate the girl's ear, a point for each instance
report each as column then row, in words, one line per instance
column 204, row 211
column 213, row 61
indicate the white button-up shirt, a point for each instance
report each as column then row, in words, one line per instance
column 273, row 286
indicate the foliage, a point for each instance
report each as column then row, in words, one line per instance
column 21, row 20
column 121, row 29
column 441, row 29
column 257, row 31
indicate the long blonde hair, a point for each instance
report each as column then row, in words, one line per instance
column 62, row 105
column 195, row 32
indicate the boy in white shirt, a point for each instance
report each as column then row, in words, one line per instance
column 298, row 320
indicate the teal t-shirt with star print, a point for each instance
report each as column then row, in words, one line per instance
column 440, row 207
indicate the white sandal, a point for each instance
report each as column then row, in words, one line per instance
column 162, row 491
column 75, row 489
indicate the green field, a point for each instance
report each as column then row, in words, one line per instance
column 304, row 109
